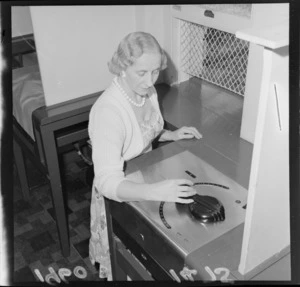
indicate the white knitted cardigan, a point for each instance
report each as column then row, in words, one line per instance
column 116, row 137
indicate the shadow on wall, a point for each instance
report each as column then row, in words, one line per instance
column 166, row 78
column 168, row 75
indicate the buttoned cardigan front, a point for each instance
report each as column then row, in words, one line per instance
column 116, row 137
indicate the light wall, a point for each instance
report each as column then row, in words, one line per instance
column 20, row 21
column 75, row 43
column 156, row 19
column 149, row 19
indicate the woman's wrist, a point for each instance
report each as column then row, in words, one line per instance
column 166, row 135
column 150, row 192
column 133, row 191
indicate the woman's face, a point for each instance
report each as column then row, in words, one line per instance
column 143, row 73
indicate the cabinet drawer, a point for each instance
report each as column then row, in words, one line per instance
column 156, row 270
column 131, row 266
column 145, row 242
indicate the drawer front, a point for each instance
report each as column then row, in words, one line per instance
column 132, row 267
column 146, row 243
column 152, row 266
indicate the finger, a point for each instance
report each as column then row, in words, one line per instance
column 187, row 193
column 187, row 136
column 186, row 188
column 185, row 201
column 188, row 133
column 195, row 132
column 184, row 181
column 183, row 130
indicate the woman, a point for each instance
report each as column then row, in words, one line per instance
column 123, row 123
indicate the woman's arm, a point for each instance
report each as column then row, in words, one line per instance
column 107, row 136
column 173, row 190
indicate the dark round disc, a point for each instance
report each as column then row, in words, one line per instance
column 207, row 208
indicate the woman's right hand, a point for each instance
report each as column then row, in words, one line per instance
column 173, row 190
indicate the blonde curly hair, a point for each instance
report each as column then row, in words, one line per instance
column 132, row 47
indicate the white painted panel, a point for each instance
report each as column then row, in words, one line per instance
column 149, row 19
column 272, row 32
column 74, row 45
column 20, row 21
column 221, row 21
column 266, row 231
column 251, row 97
column 155, row 19
column 170, row 74
column 272, row 36
column 268, row 14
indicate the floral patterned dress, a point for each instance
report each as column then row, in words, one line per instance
column 99, row 245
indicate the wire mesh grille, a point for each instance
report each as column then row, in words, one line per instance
column 215, row 56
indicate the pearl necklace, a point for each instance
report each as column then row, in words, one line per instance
column 127, row 97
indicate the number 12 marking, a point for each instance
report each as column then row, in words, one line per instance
column 218, row 271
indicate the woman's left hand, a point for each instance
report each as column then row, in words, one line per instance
column 186, row 133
